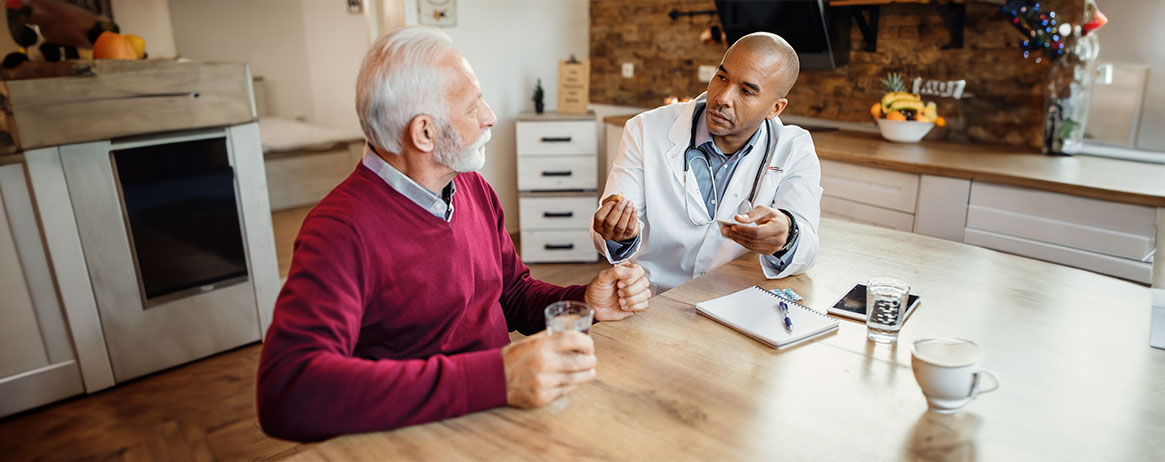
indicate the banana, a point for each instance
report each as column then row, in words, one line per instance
column 931, row 111
column 896, row 95
column 903, row 104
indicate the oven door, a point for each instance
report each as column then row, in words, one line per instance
column 160, row 224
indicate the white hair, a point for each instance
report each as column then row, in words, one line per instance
column 400, row 80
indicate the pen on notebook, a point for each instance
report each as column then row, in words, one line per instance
column 785, row 313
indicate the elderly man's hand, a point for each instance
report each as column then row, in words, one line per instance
column 618, row 292
column 616, row 219
column 543, row 367
column 767, row 237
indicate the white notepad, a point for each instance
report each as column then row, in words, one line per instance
column 754, row 312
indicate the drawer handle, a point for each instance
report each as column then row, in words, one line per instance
column 558, row 246
column 557, row 214
column 557, row 172
column 555, row 139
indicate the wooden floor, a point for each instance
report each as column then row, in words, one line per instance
column 200, row 411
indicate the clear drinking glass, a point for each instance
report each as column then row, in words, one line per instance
column 885, row 307
column 569, row 315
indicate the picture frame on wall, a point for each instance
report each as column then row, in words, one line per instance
column 440, row 13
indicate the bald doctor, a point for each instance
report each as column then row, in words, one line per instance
column 695, row 185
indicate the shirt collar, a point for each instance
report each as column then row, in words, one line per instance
column 704, row 137
column 440, row 206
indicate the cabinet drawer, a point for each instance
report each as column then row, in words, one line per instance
column 862, row 213
column 872, row 186
column 537, row 173
column 556, row 212
column 563, row 138
column 558, row 246
column 1121, row 230
column 1105, row 264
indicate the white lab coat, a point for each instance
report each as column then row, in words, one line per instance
column 649, row 170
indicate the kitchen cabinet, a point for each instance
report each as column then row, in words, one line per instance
column 557, row 179
column 925, row 204
column 110, row 226
column 37, row 360
column 1102, row 236
column 868, row 195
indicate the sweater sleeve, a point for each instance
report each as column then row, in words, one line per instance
column 311, row 387
column 524, row 298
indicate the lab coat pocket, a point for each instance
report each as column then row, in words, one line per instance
column 770, row 186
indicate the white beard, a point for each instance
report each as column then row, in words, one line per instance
column 453, row 153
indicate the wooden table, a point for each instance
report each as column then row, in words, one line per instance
column 1079, row 381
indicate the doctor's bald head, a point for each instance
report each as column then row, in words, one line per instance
column 774, row 53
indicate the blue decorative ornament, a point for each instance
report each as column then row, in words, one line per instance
column 1039, row 27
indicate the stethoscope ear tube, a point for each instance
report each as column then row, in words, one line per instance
column 764, row 163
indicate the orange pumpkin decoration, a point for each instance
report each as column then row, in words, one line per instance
column 111, row 45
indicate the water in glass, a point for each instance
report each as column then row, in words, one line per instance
column 885, row 307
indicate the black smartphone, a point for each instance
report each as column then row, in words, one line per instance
column 853, row 304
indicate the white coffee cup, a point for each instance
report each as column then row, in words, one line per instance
column 948, row 372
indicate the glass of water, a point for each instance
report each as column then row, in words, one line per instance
column 885, row 308
column 569, row 315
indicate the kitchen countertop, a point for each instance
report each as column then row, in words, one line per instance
column 1087, row 176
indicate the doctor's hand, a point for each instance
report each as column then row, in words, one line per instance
column 616, row 219
column 767, row 237
column 618, row 292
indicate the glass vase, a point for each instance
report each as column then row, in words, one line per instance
column 1068, row 94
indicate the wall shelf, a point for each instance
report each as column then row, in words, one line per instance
column 865, row 14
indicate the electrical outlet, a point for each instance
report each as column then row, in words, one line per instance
column 705, row 73
column 628, row 70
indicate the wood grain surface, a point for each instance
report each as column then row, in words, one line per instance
column 1079, row 380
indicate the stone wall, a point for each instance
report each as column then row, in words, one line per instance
column 1006, row 99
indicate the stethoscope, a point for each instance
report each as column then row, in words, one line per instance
column 745, row 205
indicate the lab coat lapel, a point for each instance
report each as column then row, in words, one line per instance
column 680, row 136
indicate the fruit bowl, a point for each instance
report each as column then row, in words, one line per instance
column 904, row 131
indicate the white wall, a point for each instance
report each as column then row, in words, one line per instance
column 606, row 157
column 267, row 35
column 335, row 42
column 510, row 44
column 150, row 20
column 308, row 51
column 1134, row 34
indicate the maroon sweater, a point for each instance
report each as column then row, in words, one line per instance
column 392, row 316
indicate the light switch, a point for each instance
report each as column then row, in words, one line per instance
column 705, row 73
column 628, row 70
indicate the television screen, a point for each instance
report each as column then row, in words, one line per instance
column 820, row 36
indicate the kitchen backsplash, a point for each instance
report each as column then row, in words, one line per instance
column 1006, row 90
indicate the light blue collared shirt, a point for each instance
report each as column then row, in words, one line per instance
column 722, row 168
column 720, row 165
column 440, row 206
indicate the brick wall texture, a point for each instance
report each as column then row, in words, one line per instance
column 1006, row 90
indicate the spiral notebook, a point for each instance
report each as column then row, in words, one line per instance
column 754, row 312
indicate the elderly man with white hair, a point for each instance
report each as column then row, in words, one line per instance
column 404, row 284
